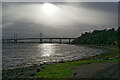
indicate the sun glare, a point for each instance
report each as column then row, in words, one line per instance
column 49, row 8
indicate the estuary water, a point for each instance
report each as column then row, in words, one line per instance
column 28, row 54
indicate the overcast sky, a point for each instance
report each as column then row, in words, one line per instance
column 57, row 19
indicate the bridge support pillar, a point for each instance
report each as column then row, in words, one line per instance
column 69, row 40
column 15, row 40
column 60, row 41
column 8, row 41
column 41, row 40
column 50, row 40
column 3, row 41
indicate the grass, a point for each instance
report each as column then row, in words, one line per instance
column 64, row 70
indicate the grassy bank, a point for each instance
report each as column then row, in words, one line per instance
column 64, row 70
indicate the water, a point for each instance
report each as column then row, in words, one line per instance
column 28, row 54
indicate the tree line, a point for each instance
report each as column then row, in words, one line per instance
column 108, row 37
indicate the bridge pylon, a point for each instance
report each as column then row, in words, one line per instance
column 15, row 38
column 41, row 36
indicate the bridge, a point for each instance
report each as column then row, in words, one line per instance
column 41, row 40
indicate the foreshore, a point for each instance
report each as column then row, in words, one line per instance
column 63, row 69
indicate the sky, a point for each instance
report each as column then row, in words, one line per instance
column 60, row 0
column 57, row 19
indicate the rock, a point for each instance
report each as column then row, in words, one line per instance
column 61, row 62
column 89, row 63
column 38, row 70
column 21, row 74
column 41, row 64
column 32, row 75
column 74, row 74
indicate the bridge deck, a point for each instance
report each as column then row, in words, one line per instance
column 41, row 40
column 37, row 38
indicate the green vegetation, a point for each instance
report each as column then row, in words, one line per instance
column 64, row 70
column 107, row 37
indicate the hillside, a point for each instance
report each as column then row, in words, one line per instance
column 109, row 37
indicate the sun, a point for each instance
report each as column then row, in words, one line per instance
column 49, row 9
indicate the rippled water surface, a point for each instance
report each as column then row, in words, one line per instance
column 27, row 54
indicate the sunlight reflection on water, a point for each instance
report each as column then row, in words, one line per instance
column 28, row 54
column 47, row 49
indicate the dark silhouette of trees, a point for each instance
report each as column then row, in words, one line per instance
column 109, row 37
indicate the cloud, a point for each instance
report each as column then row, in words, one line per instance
column 0, row 20
column 69, row 18
column 60, row 0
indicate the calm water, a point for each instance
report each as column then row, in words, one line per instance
column 27, row 54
